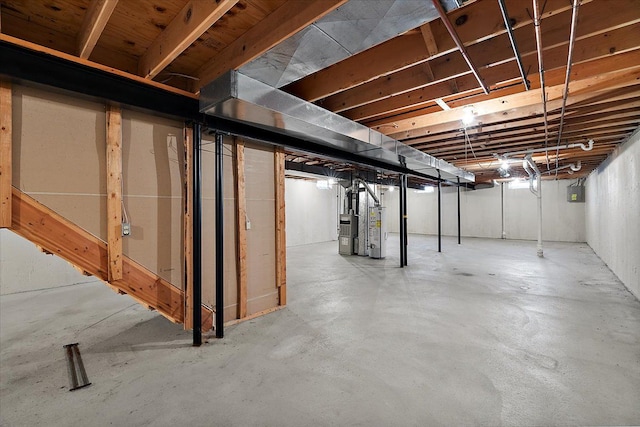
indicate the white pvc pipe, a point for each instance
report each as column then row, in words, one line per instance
column 529, row 163
column 588, row 147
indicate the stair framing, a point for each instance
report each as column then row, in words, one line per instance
column 55, row 234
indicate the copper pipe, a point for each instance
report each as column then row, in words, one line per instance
column 458, row 42
column 567, row 78
column 536, row 25
column 514, row 46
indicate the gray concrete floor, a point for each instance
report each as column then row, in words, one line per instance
column 483, row 334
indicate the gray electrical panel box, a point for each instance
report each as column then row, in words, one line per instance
column 348, row 233
column 377, row 232
column 575, row 194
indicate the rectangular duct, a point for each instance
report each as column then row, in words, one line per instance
column 244, row 99
column 353, row 27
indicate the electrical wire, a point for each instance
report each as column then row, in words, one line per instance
column 468, row 140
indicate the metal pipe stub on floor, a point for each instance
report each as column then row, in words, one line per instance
column 75, row 367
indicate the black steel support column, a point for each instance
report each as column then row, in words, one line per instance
column 197, row 237
column 219, row 239
column 458, row 210
column 401, row 210
column 404, row 220
column 439, row 213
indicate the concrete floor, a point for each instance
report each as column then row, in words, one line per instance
column 482, row 334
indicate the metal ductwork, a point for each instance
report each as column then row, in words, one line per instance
column 353, row 27
column 243, row 99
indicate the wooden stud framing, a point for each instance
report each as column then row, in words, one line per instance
column 241, row 229
column 47, row 229
column 192, row 21
column 5, row 153
column 114, row 192
column 281, row 238
column 188, row 228
column 95, row 19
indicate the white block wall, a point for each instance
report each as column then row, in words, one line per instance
column 311, row 213
column 613, row 212
column 481, row 213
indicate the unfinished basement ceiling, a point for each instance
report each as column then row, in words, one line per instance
column 350, row 29
column 413, row 87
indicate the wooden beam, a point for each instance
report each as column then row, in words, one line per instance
column 5, row 153
column 281, row 238
column 241, row 228
column 38, row 48
column 114, row 192
column 517, row 105
column 285, row 21
column 411, row 86
column 95, row 19
column 408, row 50
column 192, row 21
column 188, row 227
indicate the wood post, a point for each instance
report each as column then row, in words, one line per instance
column 5, row 153
column 281, row 240
column 188, row 228
column 114, row 192
column 241, row 229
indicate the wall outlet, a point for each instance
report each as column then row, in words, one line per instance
column 248, row 223
column 126, row 228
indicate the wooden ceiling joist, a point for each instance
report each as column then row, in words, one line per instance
column 287, row 20
column 413, row 84
column 194, row 19
column 96, row 18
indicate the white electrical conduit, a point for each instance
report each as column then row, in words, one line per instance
column 534, row 173
column 567, row 78
column 536, row 25
column 587, row 147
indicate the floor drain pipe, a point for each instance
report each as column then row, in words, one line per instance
column 439, row 214
column 504, row 232
column 458, row 210
column 534, row 173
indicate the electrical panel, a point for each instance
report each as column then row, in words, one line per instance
column 377, row 232
column 348, row 233
column 575, row 194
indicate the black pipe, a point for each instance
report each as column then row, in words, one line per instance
column 439, row 214
column 219, row 239
column 458, row 210
column 404, row 219
column 401, row 210
column 197, row 237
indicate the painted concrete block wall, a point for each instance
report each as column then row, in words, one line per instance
column 613, row 212
column 312, row 215
column 481, row 213
column 24, row 268
column 562, row 221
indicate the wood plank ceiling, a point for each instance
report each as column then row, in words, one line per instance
column 415, row 87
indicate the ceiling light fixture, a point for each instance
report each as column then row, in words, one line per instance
column 468, row 115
